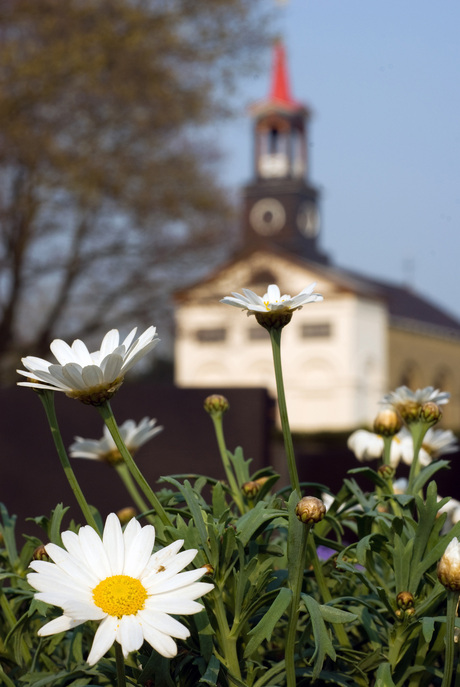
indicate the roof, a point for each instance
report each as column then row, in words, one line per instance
column 406, row 308
column 280, row 98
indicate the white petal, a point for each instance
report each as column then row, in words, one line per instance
column 81, row 353
column 114, row 544
column 177, row 581
column 273, row 294
column 172, row 604
column 130, row 634
column 160, row 642
column 103, row 639
column 72, row 374
column 62, row 352
column 111, row 366
column 94, row 552
column 164, row 623
column 92, row 375
column 109, row 343
column 61, row 624
column 138, row 553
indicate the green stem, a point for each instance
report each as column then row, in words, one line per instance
column 387, row 442
column 47, row 399
column 324, row 589
column 125, row 476
column 418, row 431
column 106, row 413
column 236, row 491
column 275, row 338
column 121, row 678
column 295, row 584
column 228, row 641
column 452, row 601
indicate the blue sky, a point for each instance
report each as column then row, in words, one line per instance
column 383, row 80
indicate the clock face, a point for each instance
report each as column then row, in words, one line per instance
column 308, row 220
column 267, row 216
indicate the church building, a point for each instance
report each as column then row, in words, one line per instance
column 340, row 356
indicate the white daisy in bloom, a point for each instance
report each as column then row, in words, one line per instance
column 118, row 581
column 272, row 301
column 436, row 442
column 403, row 395
column 369, row 446
column 133, row 435
column 89, row 377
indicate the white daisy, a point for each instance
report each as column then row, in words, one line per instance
column 436, row 442
column 105, row 449
column 272, row 300
column 89, row 377
column 369, row 446
column 118, row 581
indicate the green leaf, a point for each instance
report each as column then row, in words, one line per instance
column 336, row 615
column 54, row 527
column 427, row 472
column 240, row 465
column 7, row 530
column 254, row 519
column 384, row 677
column 323, row 644
column 427, row 629
column 219, row 504
column 265, row 626
column 192, row 502
column 212, row 672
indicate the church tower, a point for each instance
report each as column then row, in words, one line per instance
column 280, row 206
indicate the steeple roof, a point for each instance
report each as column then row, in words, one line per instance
column 280, row 98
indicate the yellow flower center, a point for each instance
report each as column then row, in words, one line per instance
column 120, row 595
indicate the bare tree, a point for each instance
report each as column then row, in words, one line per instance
column 108, row 191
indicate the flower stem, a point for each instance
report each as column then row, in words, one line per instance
column 418, row 431
column 236, row 492
column 106, row 413
column 125, row 476
column 295, row 584
column 452, row 601
column 275, row 337
column 227, row 639
column 121, row 678
column 47, row 399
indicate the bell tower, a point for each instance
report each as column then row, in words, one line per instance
column 280, row 205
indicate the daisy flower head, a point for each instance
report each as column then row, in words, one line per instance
column 133, row 435
column 273, row 309
column 409, row 403
column 118, row 581
column 89, row 377
column 368, row 446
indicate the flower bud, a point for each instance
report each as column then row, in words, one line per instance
column 386, row 471
column 449, row 566
column 251, row 489
column 387, row 423
column 409, row 411
column 216, row 404
column 40, row 554
column 405, row 600
column 126, row 514
column 310, row 510
column 430, row 412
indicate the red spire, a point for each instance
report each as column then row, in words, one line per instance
column 280, row 89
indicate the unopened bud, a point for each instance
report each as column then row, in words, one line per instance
column 310, row 510
column 216, row 404
column 430, row 412
column 126, row 514
column 251, row 489
column 409, row 411
column 405, row 600
column 387, row 423
column 386, row 471
column 449, row 566
column 40, row 554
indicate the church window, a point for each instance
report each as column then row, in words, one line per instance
column 316, row 330
column 215, row 335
